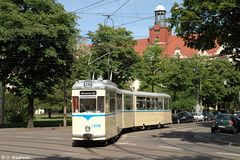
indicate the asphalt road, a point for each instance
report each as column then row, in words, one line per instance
column 191, row 141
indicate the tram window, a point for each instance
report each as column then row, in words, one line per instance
column 148, row 103
column 88, row 105
column 152, row 103
column 128, row 102
column 107, row 98
column 141, row 103
column 100, row 104
column 166, row 103
column 112, row 102
column 119, row 101
column 75, row 104
column 155, row 103
column 160, row 104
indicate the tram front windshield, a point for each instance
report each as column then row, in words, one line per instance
column 88, row 105
column 92, row 104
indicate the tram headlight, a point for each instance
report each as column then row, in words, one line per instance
column 87, row 128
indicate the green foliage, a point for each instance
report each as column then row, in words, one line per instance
column 37, row 39
column 196, row 80
column 15, row 108
column 203, row 23
column 53, row 102
column 121, row 58
column 150, row 68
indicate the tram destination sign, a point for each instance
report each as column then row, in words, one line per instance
column 87, row 84
column 88, row 92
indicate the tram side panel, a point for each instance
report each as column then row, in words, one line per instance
column 148, row 118
column 152, row 110
column 167, row 117
column 110, row 110
column 128, row 119
column 111, row 128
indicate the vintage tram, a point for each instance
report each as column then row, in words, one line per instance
column 101, row 111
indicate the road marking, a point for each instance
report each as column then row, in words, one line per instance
column 123, row 143
column 229, row 154
column 171, row 139
column 169, row 147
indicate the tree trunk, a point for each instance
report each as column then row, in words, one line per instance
column 152, row 87
column 30, row 112
column 49, row 113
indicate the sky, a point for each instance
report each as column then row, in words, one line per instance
column 135, row 15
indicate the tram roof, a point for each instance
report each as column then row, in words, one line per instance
column 149, row 94
column 94, row 84
column 106, row 84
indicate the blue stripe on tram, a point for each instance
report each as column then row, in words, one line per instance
column 89, row 116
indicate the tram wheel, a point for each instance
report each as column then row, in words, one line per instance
column 160, row 125
column 143, row 127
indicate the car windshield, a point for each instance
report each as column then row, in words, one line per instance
column 189, row 114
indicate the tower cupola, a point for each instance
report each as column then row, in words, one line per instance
column 160, row 16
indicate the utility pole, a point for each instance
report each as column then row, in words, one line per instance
column 65, row 97
column 1, row 104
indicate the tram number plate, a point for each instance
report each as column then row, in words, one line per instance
column 87, row 84
column 96, row 125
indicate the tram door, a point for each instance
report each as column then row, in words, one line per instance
column 119, row 112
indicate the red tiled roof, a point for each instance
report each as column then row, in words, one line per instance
column 141, row 45
column 170, row 46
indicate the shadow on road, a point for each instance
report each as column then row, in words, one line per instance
column 220, row 138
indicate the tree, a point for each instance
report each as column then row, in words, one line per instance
column 37, row 38
column 177, row 79
column 220, row 84
column 117, row 46
column 53, row 101
column 204, row 24
column 80, row 69
column 150, row 71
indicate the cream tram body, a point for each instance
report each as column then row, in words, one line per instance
column 100, row 111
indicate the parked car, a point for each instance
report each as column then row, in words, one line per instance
column 225, row 122
column 237, row 113
column 208, row 116
column 185, row 117
column 198, row 117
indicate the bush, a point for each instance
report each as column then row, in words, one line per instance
column 15, row 109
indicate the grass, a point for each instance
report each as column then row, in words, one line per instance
column 42, row 121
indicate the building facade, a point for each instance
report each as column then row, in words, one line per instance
column 173, row 46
